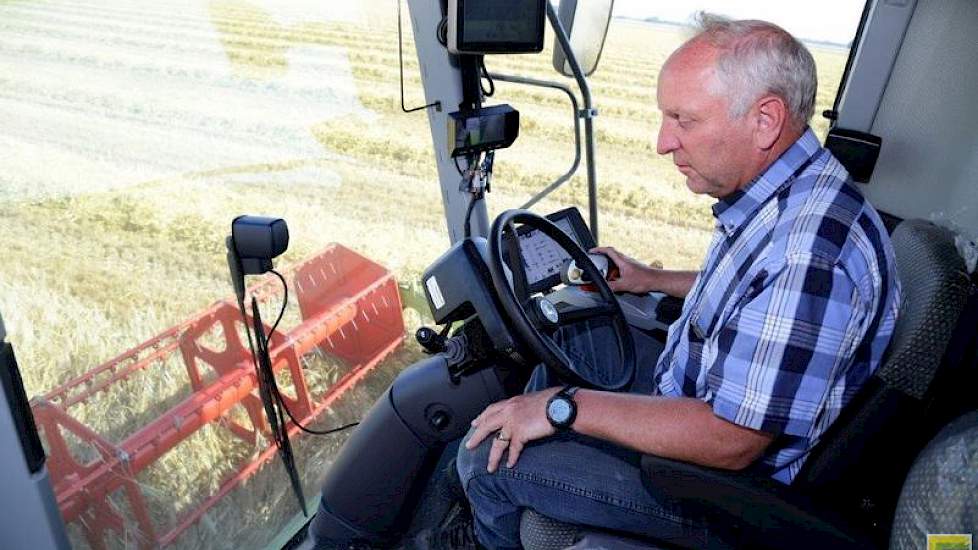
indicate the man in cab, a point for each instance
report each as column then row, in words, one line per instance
column 788, row 317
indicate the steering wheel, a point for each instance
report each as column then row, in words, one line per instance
column 536, row 320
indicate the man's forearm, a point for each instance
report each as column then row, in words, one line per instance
column 673, row 283
column 679, row 428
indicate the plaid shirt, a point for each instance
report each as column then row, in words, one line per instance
column 793, row 309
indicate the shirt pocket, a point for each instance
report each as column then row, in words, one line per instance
column 707, row 317
column 701, row 353
column 700, row 323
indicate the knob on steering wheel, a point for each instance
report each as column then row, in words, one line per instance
column 537, row 329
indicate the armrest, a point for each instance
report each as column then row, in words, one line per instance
column 768, row 513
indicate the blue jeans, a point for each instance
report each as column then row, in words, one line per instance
column 571, row 477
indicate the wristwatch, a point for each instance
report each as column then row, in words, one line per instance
column 561, row 408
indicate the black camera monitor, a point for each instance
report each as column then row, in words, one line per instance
column 495, row 26
column 543, row 258
column 482, row 130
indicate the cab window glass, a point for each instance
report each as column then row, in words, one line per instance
column 134, row 132
column 645, row 208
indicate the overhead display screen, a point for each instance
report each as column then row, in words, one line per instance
column 496, row 26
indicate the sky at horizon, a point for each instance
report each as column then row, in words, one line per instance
column 802, row 20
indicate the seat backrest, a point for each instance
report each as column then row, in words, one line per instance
column 935, row 290
column 861, row 461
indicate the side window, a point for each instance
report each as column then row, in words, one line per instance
column 850, row 58
column 133, row 134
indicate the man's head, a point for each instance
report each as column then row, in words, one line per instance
column 733, row 98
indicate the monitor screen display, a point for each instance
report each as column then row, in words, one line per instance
column 543, row 258
column 500, row 26
column 500, row 21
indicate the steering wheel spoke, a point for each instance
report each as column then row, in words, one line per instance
column 520, row 285
column 602, row 311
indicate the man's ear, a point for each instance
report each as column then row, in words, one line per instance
column 771, row 116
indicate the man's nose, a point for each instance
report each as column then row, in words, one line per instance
column 667, row 141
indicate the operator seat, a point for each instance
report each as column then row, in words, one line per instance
column 939, row 494
column 846, row 493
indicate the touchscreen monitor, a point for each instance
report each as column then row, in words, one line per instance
column 496, row 26
column 543, row 258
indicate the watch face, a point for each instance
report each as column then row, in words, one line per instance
column 559, row 410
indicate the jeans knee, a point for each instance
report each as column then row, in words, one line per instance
column 471, row 462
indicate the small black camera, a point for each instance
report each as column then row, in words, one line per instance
column 253, row 243
column 257, row 240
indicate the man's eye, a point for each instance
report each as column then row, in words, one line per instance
column 684, row 122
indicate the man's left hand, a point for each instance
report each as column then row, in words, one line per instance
column 514, row 423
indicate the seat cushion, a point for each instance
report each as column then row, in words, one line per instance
column 939, row 493
column 539, row 532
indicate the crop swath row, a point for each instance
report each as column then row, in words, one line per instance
column 350, row 309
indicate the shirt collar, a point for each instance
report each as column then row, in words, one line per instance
column 740, row 206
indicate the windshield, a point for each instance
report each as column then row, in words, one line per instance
column 135, row 132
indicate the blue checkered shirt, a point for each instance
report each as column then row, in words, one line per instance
column 793, row 308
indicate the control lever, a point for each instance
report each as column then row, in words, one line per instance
column 571, row 274
column 430, row 340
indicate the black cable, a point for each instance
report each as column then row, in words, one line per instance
column 268, row 386
column 468, row 213
column 487, row 163
column 285, row 302
column 251, row 345
column 278, row 395
column 474, row 161
column 310, row 430
column 485, row 75
column 470, row 159
column 468, row 217
column 441, row 34
column 273, row 411
column 266, row 375
column 400, row 56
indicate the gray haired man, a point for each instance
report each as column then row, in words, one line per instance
column 789, row 315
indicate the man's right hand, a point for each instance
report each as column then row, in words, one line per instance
column 633, row 275
column 639, row 278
